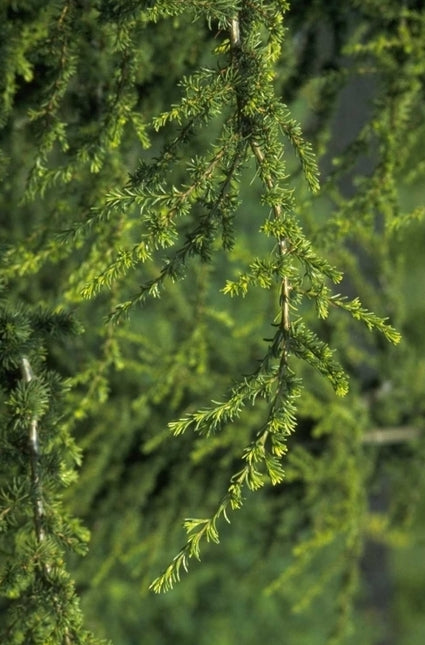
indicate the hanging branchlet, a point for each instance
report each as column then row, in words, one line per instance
column 38, row 457
column 261, row 459
column 260, row 119
column 274, row 380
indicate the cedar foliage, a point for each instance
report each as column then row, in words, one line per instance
column 155, row 175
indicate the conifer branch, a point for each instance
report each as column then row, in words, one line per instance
column 87, row 78
column 36, row 529
column 263, row 453
column 198, row 240
column 277, row 384
column 34, row 451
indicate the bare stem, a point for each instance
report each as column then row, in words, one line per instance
column 34, row 449
column 283, row 246
column 235, row 40
column 235, row 32
column 383, row 436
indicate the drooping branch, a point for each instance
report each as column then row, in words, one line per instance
column 37, row 491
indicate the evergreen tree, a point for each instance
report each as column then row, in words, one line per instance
column 158, row 185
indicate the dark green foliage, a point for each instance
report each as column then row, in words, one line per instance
column 158, row 183
column 38, row 459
